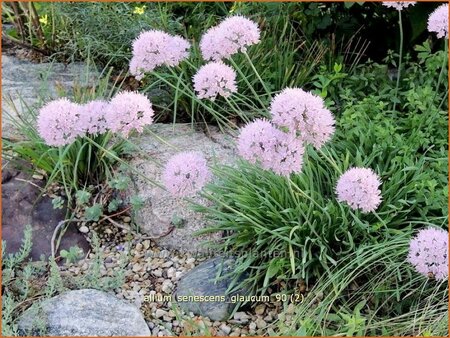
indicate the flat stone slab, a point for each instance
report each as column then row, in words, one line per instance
column 27, row 84
column 161, row 209
column 84, row 312
column 21, row 206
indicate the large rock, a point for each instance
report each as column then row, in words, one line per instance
column 201, row 281
column 27, row 84
column 21, row 206
column 84, row 313
column 162, row 211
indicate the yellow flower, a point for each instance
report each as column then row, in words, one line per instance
column 139, row 10
column 44, row 19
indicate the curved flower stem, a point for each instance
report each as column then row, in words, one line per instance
column 229, row 101
column 331, row 161
column 399, row 59
column 257, row 74
column 292, row 184
column 248, row 83
column 444, row 66
column 380, row 219
column 187, row 91
column 236, row 109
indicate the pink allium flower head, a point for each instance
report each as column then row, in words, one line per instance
column 156, row 48
column 186, row 173
column 358, row 187
column 303, row 112
column 399, row 5
column 57, row 122
column 128, row 111
column 93, row 117
column 261, row 142
column 232, row 35
column 215, row 78
column 438, row 21
column 428, row 253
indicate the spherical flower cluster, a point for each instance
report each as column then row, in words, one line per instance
column 128, row 111
column 303, row 112
column 428, row 253
column 261, row 142
column 93, row 118
column 399, row 5
column 156, row 48
column 358, row 187
column 215, row 78
column 57, row 122
column 438, row 21
column 232, row 35
column 186, row 173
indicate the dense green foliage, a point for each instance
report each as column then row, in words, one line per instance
column 300, row 218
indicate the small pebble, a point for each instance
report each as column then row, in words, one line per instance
column 83, row 229
column 225, row 328
column 260, row 323
column 160, row 313
column 259, row 310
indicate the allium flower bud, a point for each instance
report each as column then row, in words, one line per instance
column 428, row 253
column 57, row 122
column 438, row 21
column 399, row 5
column 358, row 187
column 128, row 111
column 261, row 142
column 156, row 48
column 232, row 35
column 215, row 78
column 186, row 173
column 303, row 112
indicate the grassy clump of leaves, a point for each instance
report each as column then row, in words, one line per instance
column 92, row 170
column 353, row 300
column 85, row 161
column 266, row 214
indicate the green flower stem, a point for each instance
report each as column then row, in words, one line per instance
column 444, row 66
column 192, row 95
column 257, row 74
column 236, row 109
column 330, row 160
column 292, row 184
column 380, row 219
column 125, row 163
column 255, row 94
column 400, row 56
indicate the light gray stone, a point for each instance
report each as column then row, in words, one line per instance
column 201, row 281
column 85, row 312
column 160, row 210
column 27, row 84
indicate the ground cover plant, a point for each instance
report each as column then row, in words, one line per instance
column 341, row 181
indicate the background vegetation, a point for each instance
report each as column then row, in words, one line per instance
column 354, row 264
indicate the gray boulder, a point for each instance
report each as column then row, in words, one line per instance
column 84, row 313
column 201, row 281
column 27, row 85
column 163, row 212
column 21, row 205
